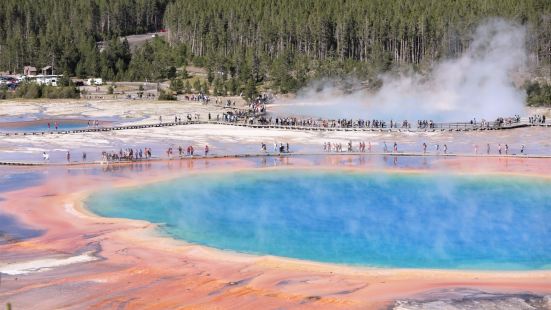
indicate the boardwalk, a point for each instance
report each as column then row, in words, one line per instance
column 271, row 154
column 437, row 127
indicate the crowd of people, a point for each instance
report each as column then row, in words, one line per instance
column 536, row 119
column 93, row 123
column 320, row 123
column 374, row 123
column 127, row 154
column 199, row 97
column 281, row 148
column 130, row 154
column 502, row 149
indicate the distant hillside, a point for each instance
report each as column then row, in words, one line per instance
column 64, row 32
column 279, row 44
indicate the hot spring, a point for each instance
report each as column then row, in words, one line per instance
column 396, row 220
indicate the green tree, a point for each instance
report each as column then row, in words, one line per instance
column 250, row 92
column 166, row 96
column 197, row 86
column 205, row 88
column 210, row 75
column 171, row 73
column 187, row 87
column 232, row 86
column 177, row 85
column 219, row 89
column 65, row 80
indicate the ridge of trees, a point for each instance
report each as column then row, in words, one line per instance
column 64, row 32
column 244, row 44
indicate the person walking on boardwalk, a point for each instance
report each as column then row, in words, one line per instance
column 424, row 148
column 68, row 156
column 206, row 150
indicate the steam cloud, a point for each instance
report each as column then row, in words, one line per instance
column 478, row 84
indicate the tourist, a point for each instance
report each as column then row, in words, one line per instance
column 83, row 156
column 385, row 148
column 506, row 149
column 68, row 157
column 395, row 148
column 476, row 149
column 424, row 148
column 445, row 148
column 488, row 149
column 287, row 147
column 522, row 149
column 499, row 148
column 206, row 150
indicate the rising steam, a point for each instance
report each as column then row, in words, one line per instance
column 478, row 84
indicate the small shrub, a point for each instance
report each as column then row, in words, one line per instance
column 164, row 95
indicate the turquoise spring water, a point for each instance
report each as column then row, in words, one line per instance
column 371, row 219
column 43, row 127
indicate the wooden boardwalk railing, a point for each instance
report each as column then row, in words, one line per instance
column 437, row 127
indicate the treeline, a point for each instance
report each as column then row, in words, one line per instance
column 285, row 39
column 538, row 94
column 64, row 33
column 279, row 44
column 35, row 91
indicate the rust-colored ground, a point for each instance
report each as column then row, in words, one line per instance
column 138, row 269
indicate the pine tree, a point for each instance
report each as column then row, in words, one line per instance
column 250, row 92
column 187, row 87
column 177, row 86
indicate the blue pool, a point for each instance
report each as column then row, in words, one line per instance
column 42, row 126
column 404, row 220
